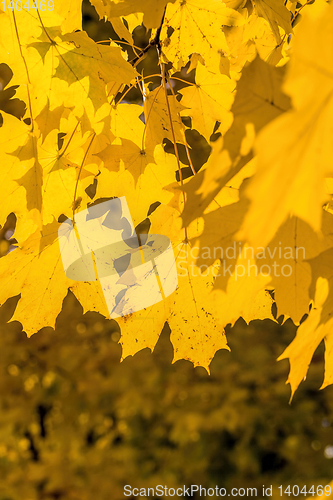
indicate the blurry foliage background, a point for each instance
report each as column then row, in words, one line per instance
column 77, row 424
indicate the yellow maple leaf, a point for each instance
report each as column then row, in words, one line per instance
column 162, row 117
column 295, row 150
column 258, row 100
column 35, row 271
column 277, row 14
column 308, row 337
column 14, row 195
column 245, row 281
column 318, row 325
column 197, row 29
column 289, row 255
column 208, row 101
column 86, row 76
column 152, row 9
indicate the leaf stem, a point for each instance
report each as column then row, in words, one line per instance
column 78, row 176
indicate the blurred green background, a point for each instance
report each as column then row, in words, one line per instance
column 76, row 423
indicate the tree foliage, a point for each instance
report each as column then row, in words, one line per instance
column 241, row 81
column 76, row 423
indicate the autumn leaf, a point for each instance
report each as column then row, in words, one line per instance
column 196, row 28
column 208, row 101
column 35, row 271
column 15, row 106
column 85, row 67
column 277, row 14
column 162, row 116
column 295, row 150
column 292, row 251
column 152, row 9
column 309, row 335
column 259, row 99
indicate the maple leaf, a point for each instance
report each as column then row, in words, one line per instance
column 69, row 12
column 232, row 302
column 196, row 28
column 85, row 66
column 308, row 337
column 258, row 100
column 162, row 115
column 15, row 107
column 189, row 309
column 292, row 250
column 152, row 9
column 217, row 238
column 208, row 101
column 20, row 174
column 318, row 325
column 35, row 271
column 128, row 154
column 277, row 14
column 296, row 146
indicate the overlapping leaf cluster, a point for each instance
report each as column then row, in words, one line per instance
column 261, row 97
